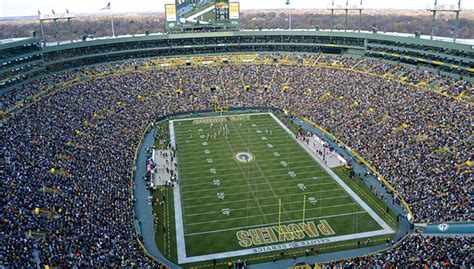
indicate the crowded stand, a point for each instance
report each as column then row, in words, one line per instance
column 144, row 44
column 26, row 48
column 436, row 82
column 19, row 61
column 68, row 181
column 68, row 156
column 424, row 47
column 417, row 251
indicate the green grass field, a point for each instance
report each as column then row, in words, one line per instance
column 234, row 182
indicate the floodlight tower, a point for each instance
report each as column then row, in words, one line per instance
column 55, row 18
column 289, row 20
column 69, row 18
column 42, row 29
column 346, row 8
column 56, row 32
column 447, row 8
column 360, row 15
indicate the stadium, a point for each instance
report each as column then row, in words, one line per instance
column 211, row 146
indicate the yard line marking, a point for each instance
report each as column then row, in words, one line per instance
column 252, row 172
column 272, row 162
column 262, row 150
column 239, row 218
column 271, row 205
column 215, row 125
column 257, row 146
column 249, row 186
column 276, row 163
column 263, row 157
column 277, row 134
column 386, row 228
column 233, row 187
column 287, row 195
column 224, row 116
column 263, row 174
column 273, row 223
column 246, row 122
column 263, row 163
column 214, row 144
column 237, row 180
column 238, row 201
column 210, row 143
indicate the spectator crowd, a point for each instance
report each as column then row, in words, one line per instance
column 67, row 193
column 417, row 251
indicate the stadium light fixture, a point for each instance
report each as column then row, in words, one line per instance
column 289, row 20
column 346, row 9
column 444, row 8
column 55, row 17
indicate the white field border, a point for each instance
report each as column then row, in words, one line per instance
column 180, row 238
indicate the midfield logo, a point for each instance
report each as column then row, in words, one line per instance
column 244, row 157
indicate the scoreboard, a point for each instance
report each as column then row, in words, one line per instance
column 222, row 10
column 205, row 15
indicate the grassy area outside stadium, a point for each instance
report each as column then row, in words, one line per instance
column 247, row 187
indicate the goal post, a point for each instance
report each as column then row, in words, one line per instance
column 280, row 206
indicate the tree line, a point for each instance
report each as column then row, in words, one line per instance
column 132, row 24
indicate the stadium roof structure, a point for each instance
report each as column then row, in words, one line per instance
column 438, row 55
column 405, row 35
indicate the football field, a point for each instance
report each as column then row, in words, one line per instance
column 246, row 185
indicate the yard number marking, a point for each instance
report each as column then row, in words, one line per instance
column 312, row 200
column 301, row 186
column 226, row 211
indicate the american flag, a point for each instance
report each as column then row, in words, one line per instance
column 106, row 7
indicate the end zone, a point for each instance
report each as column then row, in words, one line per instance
column 248, row 157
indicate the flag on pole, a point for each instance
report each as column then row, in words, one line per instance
column 106, row 7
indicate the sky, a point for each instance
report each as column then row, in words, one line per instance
column 10, row 8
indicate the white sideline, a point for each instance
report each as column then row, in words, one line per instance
column 178, row 214
column 349, row 191
column 180, row 237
